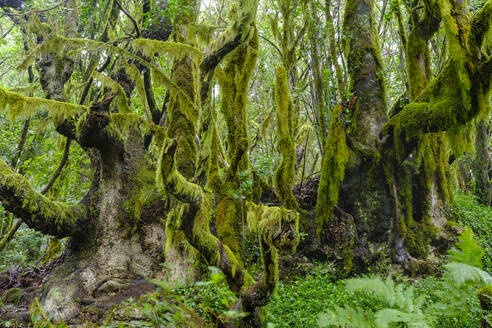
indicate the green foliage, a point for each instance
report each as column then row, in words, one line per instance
column 23, row 250
column 400, row 305
column 454, row 295
column 301, row 299
column 468, row 251
column 479, row 218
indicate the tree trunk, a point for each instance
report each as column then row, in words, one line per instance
column 482, row 164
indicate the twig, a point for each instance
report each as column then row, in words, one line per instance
column 130, row 17
column 21, row 144
column 36, row 11
column 271, row 43
column 59, row 169
column 8, row 31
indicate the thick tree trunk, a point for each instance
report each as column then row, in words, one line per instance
column 119, row 248
column 482, row 164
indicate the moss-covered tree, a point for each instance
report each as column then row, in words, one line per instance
column 376, row 186
column 116, row 232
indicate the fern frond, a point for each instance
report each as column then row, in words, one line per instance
column 468, row 252
column 461, row 273
column 386, row 317
column 347, row 317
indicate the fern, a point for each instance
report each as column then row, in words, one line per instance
column 456, row 294
column 468, row 252
column 461, row 273
column 401, row 306
column 348, row 317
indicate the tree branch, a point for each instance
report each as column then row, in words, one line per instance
column 277, row 228
column 37, row 211
column 62, row 164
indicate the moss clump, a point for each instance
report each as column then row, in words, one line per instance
column 332, row 170
column 283, row 180
column 13, row 296
column 485, row 296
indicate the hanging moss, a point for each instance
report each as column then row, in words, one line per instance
column 416, row 232
column 122, row 124
column 18, row 106
column 234, row 82
column 332, row 170
column 120, row 99
column 174, row 50
column 142, row 193
column 283, row 179
column 277, row 229
column 36, row 210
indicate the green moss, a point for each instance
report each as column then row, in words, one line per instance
column 174, row 50
column 283, row 179
column 234, row 82
column 35, row 209
column 142, row 193
column 418, row 64
column 18, row 106
column 122, row 124
column 332, row 170
column 228, row 220
column 13, row 296
column 485, row 296
column 414, row 221
column 278, row 230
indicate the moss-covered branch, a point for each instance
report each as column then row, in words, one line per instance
column 284, row 175
column 234, row 82
column 19, row 106
column 459, row 93
column 236, row 34
column 332, row 170
column 364, row 64
column 277, row 229
column 453, row 98
column 38, row 212
column 481, row 25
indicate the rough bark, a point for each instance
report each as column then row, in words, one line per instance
column 482, row 164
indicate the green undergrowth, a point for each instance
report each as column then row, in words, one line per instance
column 301, row 300
column 479, row 218
column 201, row 304
column 453, row 299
